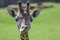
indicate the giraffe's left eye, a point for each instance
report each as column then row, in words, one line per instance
column 17, row 19
column 31, row 20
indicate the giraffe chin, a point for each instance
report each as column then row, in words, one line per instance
column 23, row 30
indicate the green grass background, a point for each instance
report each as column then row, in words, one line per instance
column 45, row 27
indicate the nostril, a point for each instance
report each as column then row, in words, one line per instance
column 26, row 27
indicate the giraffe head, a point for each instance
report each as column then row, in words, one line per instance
column 23, row 16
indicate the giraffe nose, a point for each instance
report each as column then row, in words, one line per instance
column 24, row 27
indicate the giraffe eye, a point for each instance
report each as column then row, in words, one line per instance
column 31, row 20
column 17, row 19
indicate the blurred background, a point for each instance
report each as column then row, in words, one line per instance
column 4, row 3
column 45, row 27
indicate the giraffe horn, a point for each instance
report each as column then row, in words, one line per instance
column 20, row 7
column 19, row 4
column 27, row 6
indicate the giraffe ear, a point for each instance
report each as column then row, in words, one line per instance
column 11, row 12
column 35, row 13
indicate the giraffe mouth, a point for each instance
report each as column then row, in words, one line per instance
column 24, row 30
column 21, row 30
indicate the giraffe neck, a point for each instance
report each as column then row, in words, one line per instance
column 24, row 36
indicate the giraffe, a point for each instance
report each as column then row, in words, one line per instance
column 23, row 18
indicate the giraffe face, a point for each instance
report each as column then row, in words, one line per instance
column 23, row 17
